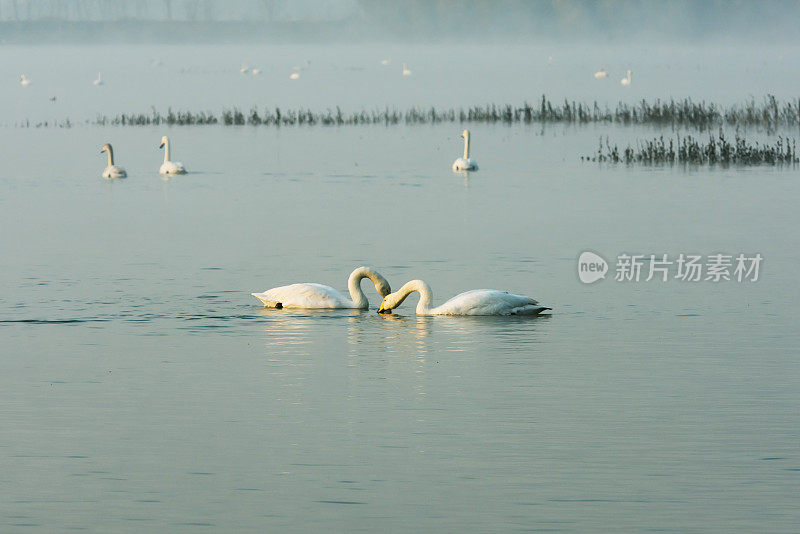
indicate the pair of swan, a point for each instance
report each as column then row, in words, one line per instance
column 601, row 74
column 475, row 302
column 168, row 167
column 465, row 163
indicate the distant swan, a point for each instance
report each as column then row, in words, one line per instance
column 294, row 76
column 309, row 295
column 600, row 74
column 386, row 62
column 169, row 167
column 24, row 81
column 627, row 79
column 406, row 70
column 465, row 163
column 112, row 171
column 245, row 68
column 99, row 80
column 256, row 72
column 475, row 302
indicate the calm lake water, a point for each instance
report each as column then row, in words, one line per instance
column 145, row 390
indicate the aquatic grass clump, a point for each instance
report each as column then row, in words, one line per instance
column 689, row 150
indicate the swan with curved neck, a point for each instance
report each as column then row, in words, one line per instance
column 465, row 163
column 406, row 70
column 24, row 81
column 627, row 79
column 310, row 295
column 112, row 171
column 475, row 302
column 169, row 167
column 99, row 80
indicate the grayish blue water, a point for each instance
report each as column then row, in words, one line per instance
column 144, row 389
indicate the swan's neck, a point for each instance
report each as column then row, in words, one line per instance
column 466, row 145
column 425, row 295
column 354, row 285
column 166, row 151
column 110, row 156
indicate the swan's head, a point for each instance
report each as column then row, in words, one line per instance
column 465, row 134
column 390, row 302
column 106, row 148
column 163, row 141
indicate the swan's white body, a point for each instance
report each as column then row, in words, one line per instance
column 294, row 76
column 169, row 167
column 112, row 171
column 245, row 69
column 24, row 81
column 256, row 72
column 99, row 80
column 318, row 296
column 627, row 79
column 465, row 163
column 475, row 302
column 406, row 70
column 600, row 74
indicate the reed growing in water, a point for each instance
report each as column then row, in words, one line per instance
column 690, row 150
column 769, row 115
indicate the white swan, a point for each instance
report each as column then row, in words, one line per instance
column 99, row 80
column 406, row 70
column 294, row 76
column 465, row 163
column 627, row 79
column 24, row 81
column 256, row 72
column 112, row 171
column 601, row 74
column 245, row 68
column 386, row 62
column 475, row 302
column 309, row 295
column 169, row 167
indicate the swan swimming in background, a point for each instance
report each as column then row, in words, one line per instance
column 112, row 171
column 465, row 163
column 627, row 79
column 294, row 76
column 475, row 302
column 309, row 295
column 600, row 74
column 386, row 62
column 24, row 81
column 169, row 167
column 406, row 70
column 256, row 72
column 245, row 68
column 99, row 80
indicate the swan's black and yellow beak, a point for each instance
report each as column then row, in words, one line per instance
column 161, row 145
column 381, row 309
